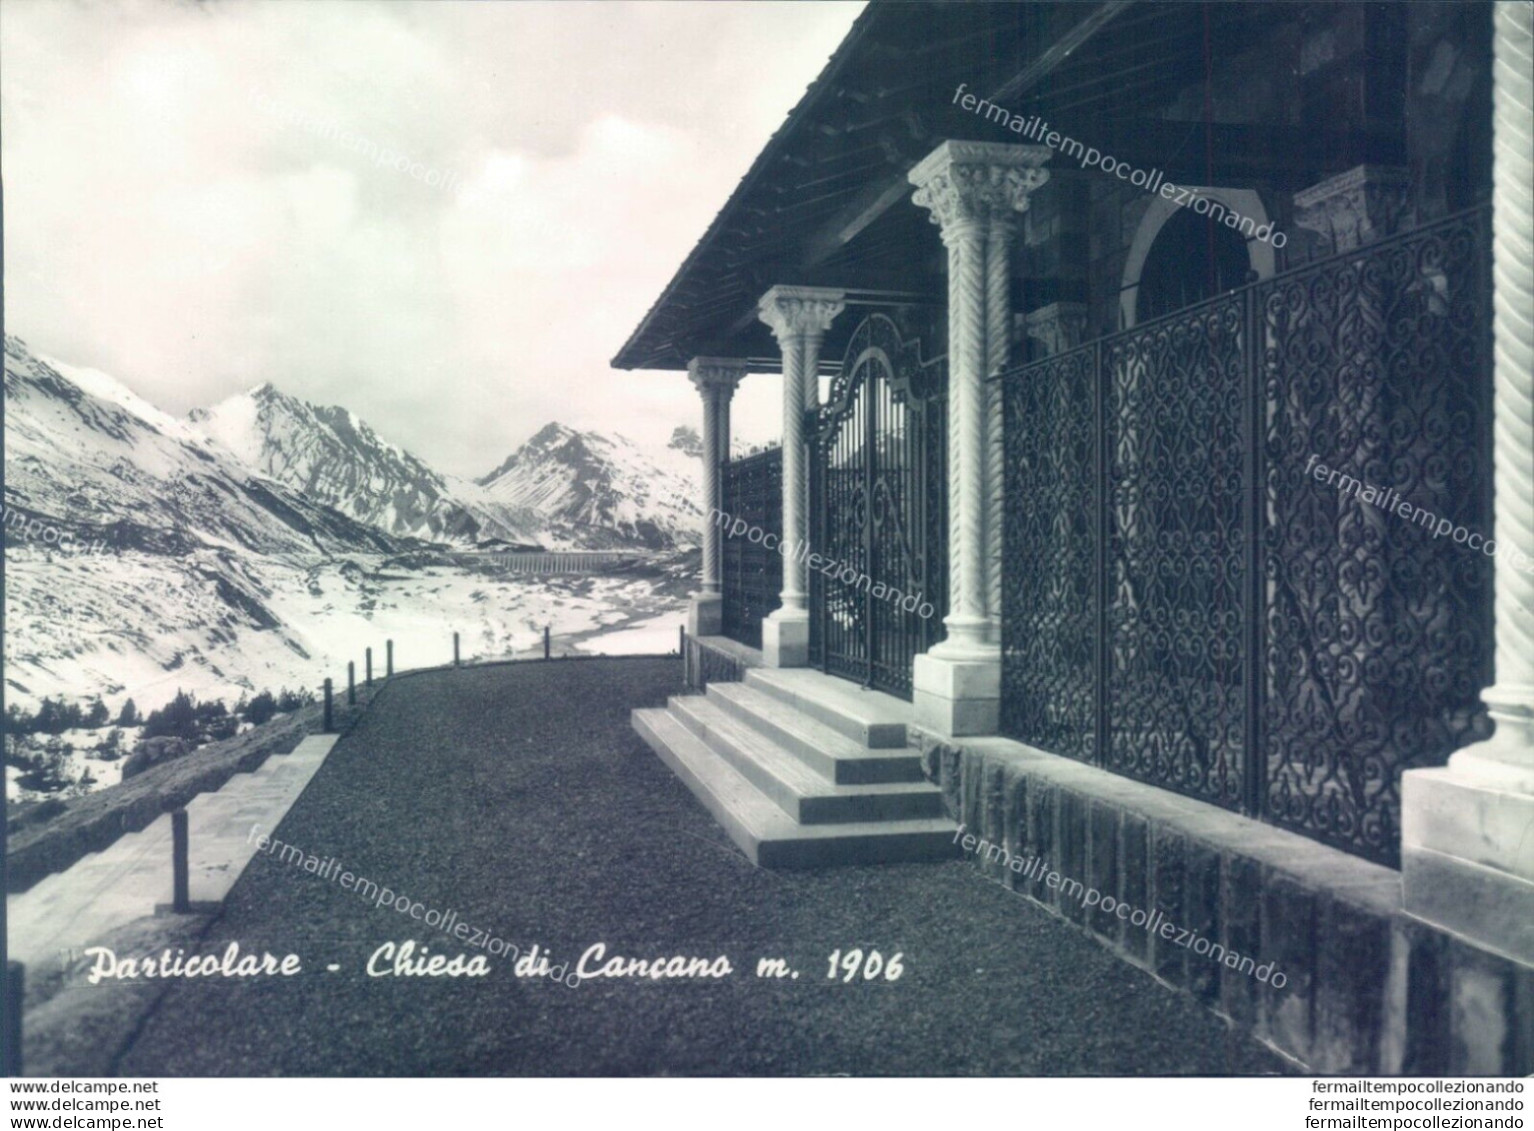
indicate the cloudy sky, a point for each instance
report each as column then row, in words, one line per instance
column 194, row 201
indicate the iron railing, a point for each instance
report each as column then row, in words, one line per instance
column 751, row 498
column 1186, row 603
column 702, row 665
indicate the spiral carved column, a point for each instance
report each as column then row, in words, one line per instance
column 973, row 191
column 722, row 421
column 793, row 595
column 967, row 621
column 809, row 346
column 710, row 488
column 955, row 365
column 813, row 340
column 998, row 348
column 799, row 318
column 1511, row 699
column 1466, row 847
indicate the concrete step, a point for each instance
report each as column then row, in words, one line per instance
column 764, row 832
column 829, row 752
column 808, row 797
column 870, row 718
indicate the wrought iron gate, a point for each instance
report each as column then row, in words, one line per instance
column 1186, row 603
column 878, row 493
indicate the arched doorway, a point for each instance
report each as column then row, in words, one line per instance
column 1259, row 259
column 1192, row 259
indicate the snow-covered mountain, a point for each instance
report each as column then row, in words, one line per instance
column 84, row 452
column 192, row 569
column 600, row 490
column 562, row 489
column 179, row 552
column 274, row 474
column 337, row 459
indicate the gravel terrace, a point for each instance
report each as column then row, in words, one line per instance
column 519, row 797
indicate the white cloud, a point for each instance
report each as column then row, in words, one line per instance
column 166, row 226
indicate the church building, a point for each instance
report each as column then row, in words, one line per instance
column 1155, row 497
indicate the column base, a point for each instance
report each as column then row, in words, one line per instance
column 957, row 696
column 1467, row 858
column 786, row 641
column 705, row 614
column 1505, row 761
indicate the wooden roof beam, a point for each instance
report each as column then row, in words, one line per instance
column 884, row 193
column 1060, row 50
column 1180, row 148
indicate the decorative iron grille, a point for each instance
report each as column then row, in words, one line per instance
column 751, row 493
column 702, row 665
column 1050, row 539
column 1186, row 604
column 1379, row 637
column 1175, row 551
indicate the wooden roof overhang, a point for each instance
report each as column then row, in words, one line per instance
column 827, row 202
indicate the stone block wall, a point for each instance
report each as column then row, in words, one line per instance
column 1367, row 989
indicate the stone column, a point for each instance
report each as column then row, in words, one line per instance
column 973, row 189
column 715, row 379
column 1059, row 327
column 1344, row 212
column 998, row 350
column 722, row 422
column 812, row 341
column 799, row 318
column 1467, row 837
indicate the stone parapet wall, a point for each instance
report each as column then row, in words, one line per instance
column 1368, row 990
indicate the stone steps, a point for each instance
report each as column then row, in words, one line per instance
column 802, row 770
column 870, row 718
column 831, row 753
column 768, row 835
column 808, row 797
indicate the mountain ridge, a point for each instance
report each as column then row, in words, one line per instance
column 334, row 456
column 561, row 489
column 601, row 488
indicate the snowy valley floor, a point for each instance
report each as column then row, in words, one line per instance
column 222, row 625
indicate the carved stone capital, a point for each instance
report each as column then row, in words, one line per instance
column 973, row 182
column 1364, row 204
column 1060, row 326
column 717, row 373
column 793, row 312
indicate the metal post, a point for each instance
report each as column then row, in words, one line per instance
column 329, row 716
column 545, row 642
column 351, row 683
column 181, row 900
column 370, row 667
column 15, row 991
column 681, row 640
column 388, row 658
column 455, row 650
